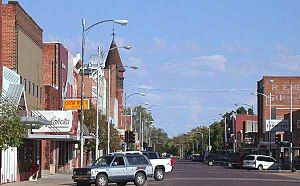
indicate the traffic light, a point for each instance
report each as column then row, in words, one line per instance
column 127, row 134
column 278, row 138
column 131, row 137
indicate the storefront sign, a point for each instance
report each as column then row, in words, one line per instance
column 276, row 125
column 61, row 121
column 75, row 104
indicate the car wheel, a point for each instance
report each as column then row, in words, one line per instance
column 210, row 163
column 122, row 183
column 101, row 180
column 139, row 179
column 159, row 174
column 260, row 167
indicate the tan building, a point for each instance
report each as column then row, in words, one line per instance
column 23, row 49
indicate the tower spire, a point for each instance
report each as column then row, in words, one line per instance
column 113, row 33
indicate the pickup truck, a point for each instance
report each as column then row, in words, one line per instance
column 117, row 168
column 160, row 165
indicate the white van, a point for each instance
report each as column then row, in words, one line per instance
column 260, row 162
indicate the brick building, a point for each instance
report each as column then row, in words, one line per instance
column 114, row 75
column 57, row 149
column 279, row 89
column 22, row 52
column 22, row 49
column 244, row 130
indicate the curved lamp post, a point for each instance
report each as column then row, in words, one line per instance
column 85, row 30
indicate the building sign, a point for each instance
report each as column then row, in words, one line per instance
column 75, row 104
column 277, row 125
column 61, row 121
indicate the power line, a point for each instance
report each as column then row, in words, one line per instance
column 191, row 90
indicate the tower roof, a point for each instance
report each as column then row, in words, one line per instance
column 113, row 57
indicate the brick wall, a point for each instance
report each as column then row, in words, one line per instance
column 48, row 64
column 50, row 97
column 9, row 40
column 280, row 91
column 15, row 17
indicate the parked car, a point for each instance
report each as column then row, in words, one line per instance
column 198, row 157
column 118, row 168
column 213, row 159
column 236, row 160
column 260, row 162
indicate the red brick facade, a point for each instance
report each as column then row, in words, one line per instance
column 114, row 73
column 279, row 87
column 14, row 17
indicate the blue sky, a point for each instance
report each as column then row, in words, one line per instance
column 196, row 58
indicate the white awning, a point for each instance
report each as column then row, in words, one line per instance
column 57, row 137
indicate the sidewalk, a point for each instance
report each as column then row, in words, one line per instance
column 57, row 179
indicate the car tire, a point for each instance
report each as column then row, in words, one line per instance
column 101, row 180
column 139, row 179
column 122, row 183
column 159, row 175
column 260, row 167
column 210, row 163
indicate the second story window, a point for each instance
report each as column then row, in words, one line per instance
column 33, row 89
column 29, row 84
column 25, row 84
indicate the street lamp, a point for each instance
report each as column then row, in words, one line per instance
column 84, row 33
column 270, row 116
column 201, row 141
column 291, row 122
column 225, row 127
column 101, row 55
column 126, row 97
column 142, row 133
column 108, row 97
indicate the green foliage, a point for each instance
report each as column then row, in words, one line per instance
column 241, row 110
column 90, row 121
column 12, row 130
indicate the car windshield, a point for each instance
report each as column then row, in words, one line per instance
column 104, row 161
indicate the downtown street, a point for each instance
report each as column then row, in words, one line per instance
column 189, row 173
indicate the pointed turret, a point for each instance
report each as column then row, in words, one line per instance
column 113, row 57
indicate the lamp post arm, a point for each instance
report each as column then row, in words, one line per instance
column 88, row 28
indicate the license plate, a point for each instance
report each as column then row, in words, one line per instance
column 78, row 178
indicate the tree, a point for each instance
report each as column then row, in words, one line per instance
column 241, row 110
column 12, row 131
column 90, row 122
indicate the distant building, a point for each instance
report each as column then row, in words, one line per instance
column 243, row 131
column 279, row 89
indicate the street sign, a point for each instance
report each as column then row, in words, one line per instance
column 75, row 104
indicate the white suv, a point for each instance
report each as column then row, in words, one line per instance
column 260, row 162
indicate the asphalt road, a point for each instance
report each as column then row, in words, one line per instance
column 188, row 173
column 194, row 173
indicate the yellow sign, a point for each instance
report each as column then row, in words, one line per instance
column 75, row 104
